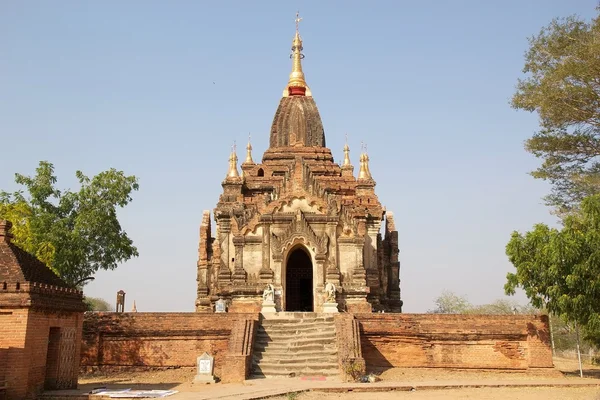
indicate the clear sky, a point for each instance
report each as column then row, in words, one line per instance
column 161, row 89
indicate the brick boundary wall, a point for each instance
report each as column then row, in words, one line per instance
column 148, row 340
column 512, row 342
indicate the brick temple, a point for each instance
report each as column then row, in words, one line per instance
column 298, row 220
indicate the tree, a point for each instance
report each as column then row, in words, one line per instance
column 563, row 86
column 503, row 307
column 97, row 304
column 73, row 233
column 450, row 303
column 560, row 269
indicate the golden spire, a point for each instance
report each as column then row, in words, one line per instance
column 369, row 176
column 346, row 154
column 297, row 84
column 233, row 172
column 364, row 172
column 249, row 152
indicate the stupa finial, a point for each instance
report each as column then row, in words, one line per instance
column 297, row 84
column 249, row 152
column 233, row 172
column 347, row 162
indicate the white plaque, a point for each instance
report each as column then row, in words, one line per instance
column 205, row 365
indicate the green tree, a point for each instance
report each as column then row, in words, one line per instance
column 563, row 85
column 97, row 304
column 560, row 269
column 74, row 233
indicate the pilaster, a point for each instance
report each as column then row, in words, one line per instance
column 239, row 274
column 224, row 229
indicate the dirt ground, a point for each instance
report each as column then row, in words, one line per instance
column 565, row 369
column 451, row 394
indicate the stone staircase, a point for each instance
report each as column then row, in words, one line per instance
column 297, row 344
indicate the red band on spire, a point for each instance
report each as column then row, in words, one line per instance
column 296, row 91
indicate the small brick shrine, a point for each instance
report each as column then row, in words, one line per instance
column 41, row 318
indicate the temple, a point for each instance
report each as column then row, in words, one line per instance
column 298, row 221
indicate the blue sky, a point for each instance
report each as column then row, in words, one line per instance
column 161, row 89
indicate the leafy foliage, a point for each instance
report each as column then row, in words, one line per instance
column 74, row 233
column 97, row 304
column 563, row 86
column 560, row 269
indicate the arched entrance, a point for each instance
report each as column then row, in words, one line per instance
column 299, row 281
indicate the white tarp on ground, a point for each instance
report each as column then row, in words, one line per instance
column 133, row 394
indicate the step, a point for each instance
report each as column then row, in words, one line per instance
column 291, row 360
column 275, row 322
column 290, row 352
column 299, row 327
column 283, row 337
column 281, row 374
column 296, row 347
column 306, row 366
column 295, row 315
column 298, row 370
column 292, row 343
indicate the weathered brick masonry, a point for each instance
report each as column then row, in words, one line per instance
column 40, row 325
column 455, row 341
column 169, row 339
column 511, row 342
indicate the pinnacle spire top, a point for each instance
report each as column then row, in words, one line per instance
column 233, row 172
column 347, row 162
column 249, row 152
column 297, row 84
column 364, row 172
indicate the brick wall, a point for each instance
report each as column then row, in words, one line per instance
column 162, row 339
column 24, row 346
column 455, row 341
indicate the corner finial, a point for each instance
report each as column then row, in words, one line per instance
column 297, row 84
column 233, row 172
column 364, row 172
column 347, row 162
column 249, row 152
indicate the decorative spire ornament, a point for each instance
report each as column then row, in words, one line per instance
column 297, row 84
column 347, row 162
column 249, row 152
column 364, row 172
column 233, row 172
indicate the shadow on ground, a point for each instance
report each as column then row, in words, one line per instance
column 587, row 373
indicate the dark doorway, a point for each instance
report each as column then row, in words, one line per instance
column 299, row 282
column 52, row 357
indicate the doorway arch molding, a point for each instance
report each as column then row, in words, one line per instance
column 299, row 231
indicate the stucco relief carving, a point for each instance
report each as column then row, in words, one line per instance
column 243, row 216
column 299, row 228
column 305, row 203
